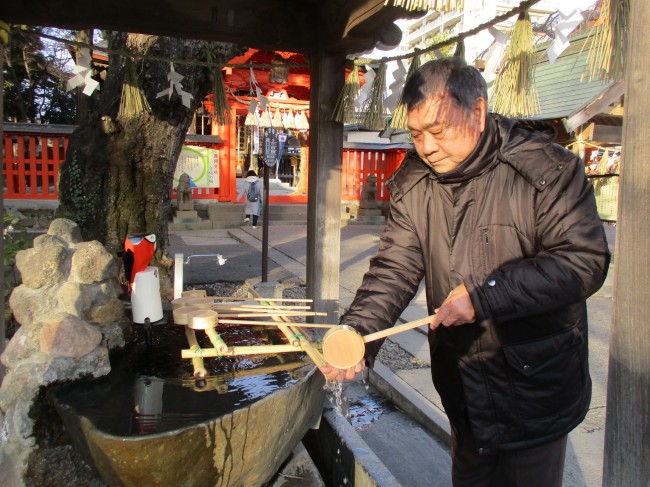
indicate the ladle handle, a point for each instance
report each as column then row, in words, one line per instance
column 397, row 329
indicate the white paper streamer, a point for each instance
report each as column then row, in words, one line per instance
column 395, row 88
column 564, row 27
column 175, row 85
column 83, row 74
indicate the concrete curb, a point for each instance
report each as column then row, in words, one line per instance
column 344, row 455
column 410, row 401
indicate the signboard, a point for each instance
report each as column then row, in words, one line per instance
column 271, row 147
column 201, row 164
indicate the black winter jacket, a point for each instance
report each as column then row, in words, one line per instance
column 516, row 222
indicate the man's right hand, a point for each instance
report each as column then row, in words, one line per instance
column 331, row 373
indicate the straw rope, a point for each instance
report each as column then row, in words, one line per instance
column 514, row 91
column 133, row 101
column 606, row 59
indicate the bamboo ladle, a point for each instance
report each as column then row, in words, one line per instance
column 344, row 347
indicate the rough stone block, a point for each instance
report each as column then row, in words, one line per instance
column 42, row 267
column 66, row 230
column 92, row 263
column 46, row 240
column 23, row 344
column 74, row 298
column 107, row 312
column 32, row 306
column 64, row 335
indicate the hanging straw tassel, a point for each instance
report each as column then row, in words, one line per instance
column 375, row 113
column 133, row 101
column 221, row 111
column 276, row 121
column 265, row 119
column 344, row 111
column 460, row 48
column 514, row 92
column 606, row 59
column 251, row 119
column 288, row 120
column 301, row 122
column 399, row 120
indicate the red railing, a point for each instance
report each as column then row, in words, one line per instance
column 31, row 163
column 358, row 163
column 33, row 153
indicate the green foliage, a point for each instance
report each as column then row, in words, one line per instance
column 84, row 205
column 35, row 73
column 447, row 51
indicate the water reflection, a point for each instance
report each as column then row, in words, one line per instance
column 152, row 390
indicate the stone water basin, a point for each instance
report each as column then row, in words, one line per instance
column 149, row 422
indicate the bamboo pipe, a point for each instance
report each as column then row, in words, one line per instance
column 344, row 347
column 243, row 350
column 271, row 300
column 269, row 306
column 272, row 323
column 306, row 344
column 197, row 360
column 218, row 343
column 290, row 313
column 308, row 347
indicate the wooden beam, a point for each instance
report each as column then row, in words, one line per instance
column 627, row 442
column 599, row 105
column 324, row 204
column 272, row 24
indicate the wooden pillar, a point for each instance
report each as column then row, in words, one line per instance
column 2, row 226
column 324, row 202
column 627, row 438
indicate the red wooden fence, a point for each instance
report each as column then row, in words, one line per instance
column 31, row 163
column 358, row 163
column 33, row 153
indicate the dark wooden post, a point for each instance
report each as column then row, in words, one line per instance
column 324, row 205
column 627, row 429
column 2, row 211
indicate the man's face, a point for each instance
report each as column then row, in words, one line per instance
column 443, row 134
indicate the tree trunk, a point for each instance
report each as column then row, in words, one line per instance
column 117, row 176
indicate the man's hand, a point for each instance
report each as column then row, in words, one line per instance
column 456, row 310
column 333, row 374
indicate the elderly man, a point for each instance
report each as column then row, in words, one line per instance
column 501, row 223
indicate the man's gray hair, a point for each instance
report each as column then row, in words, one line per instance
column 462, row 82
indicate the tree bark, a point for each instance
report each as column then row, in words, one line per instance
column 117, row 176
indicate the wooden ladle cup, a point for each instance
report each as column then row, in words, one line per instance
column 344, row 347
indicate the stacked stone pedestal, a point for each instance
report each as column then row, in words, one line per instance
column 70, row 314
column 189, row 220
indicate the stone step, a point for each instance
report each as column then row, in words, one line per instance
column 200, row 225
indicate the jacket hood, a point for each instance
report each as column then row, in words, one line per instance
column 251, row 179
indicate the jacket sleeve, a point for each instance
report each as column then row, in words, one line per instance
column 390, row 283
column 572, row 258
